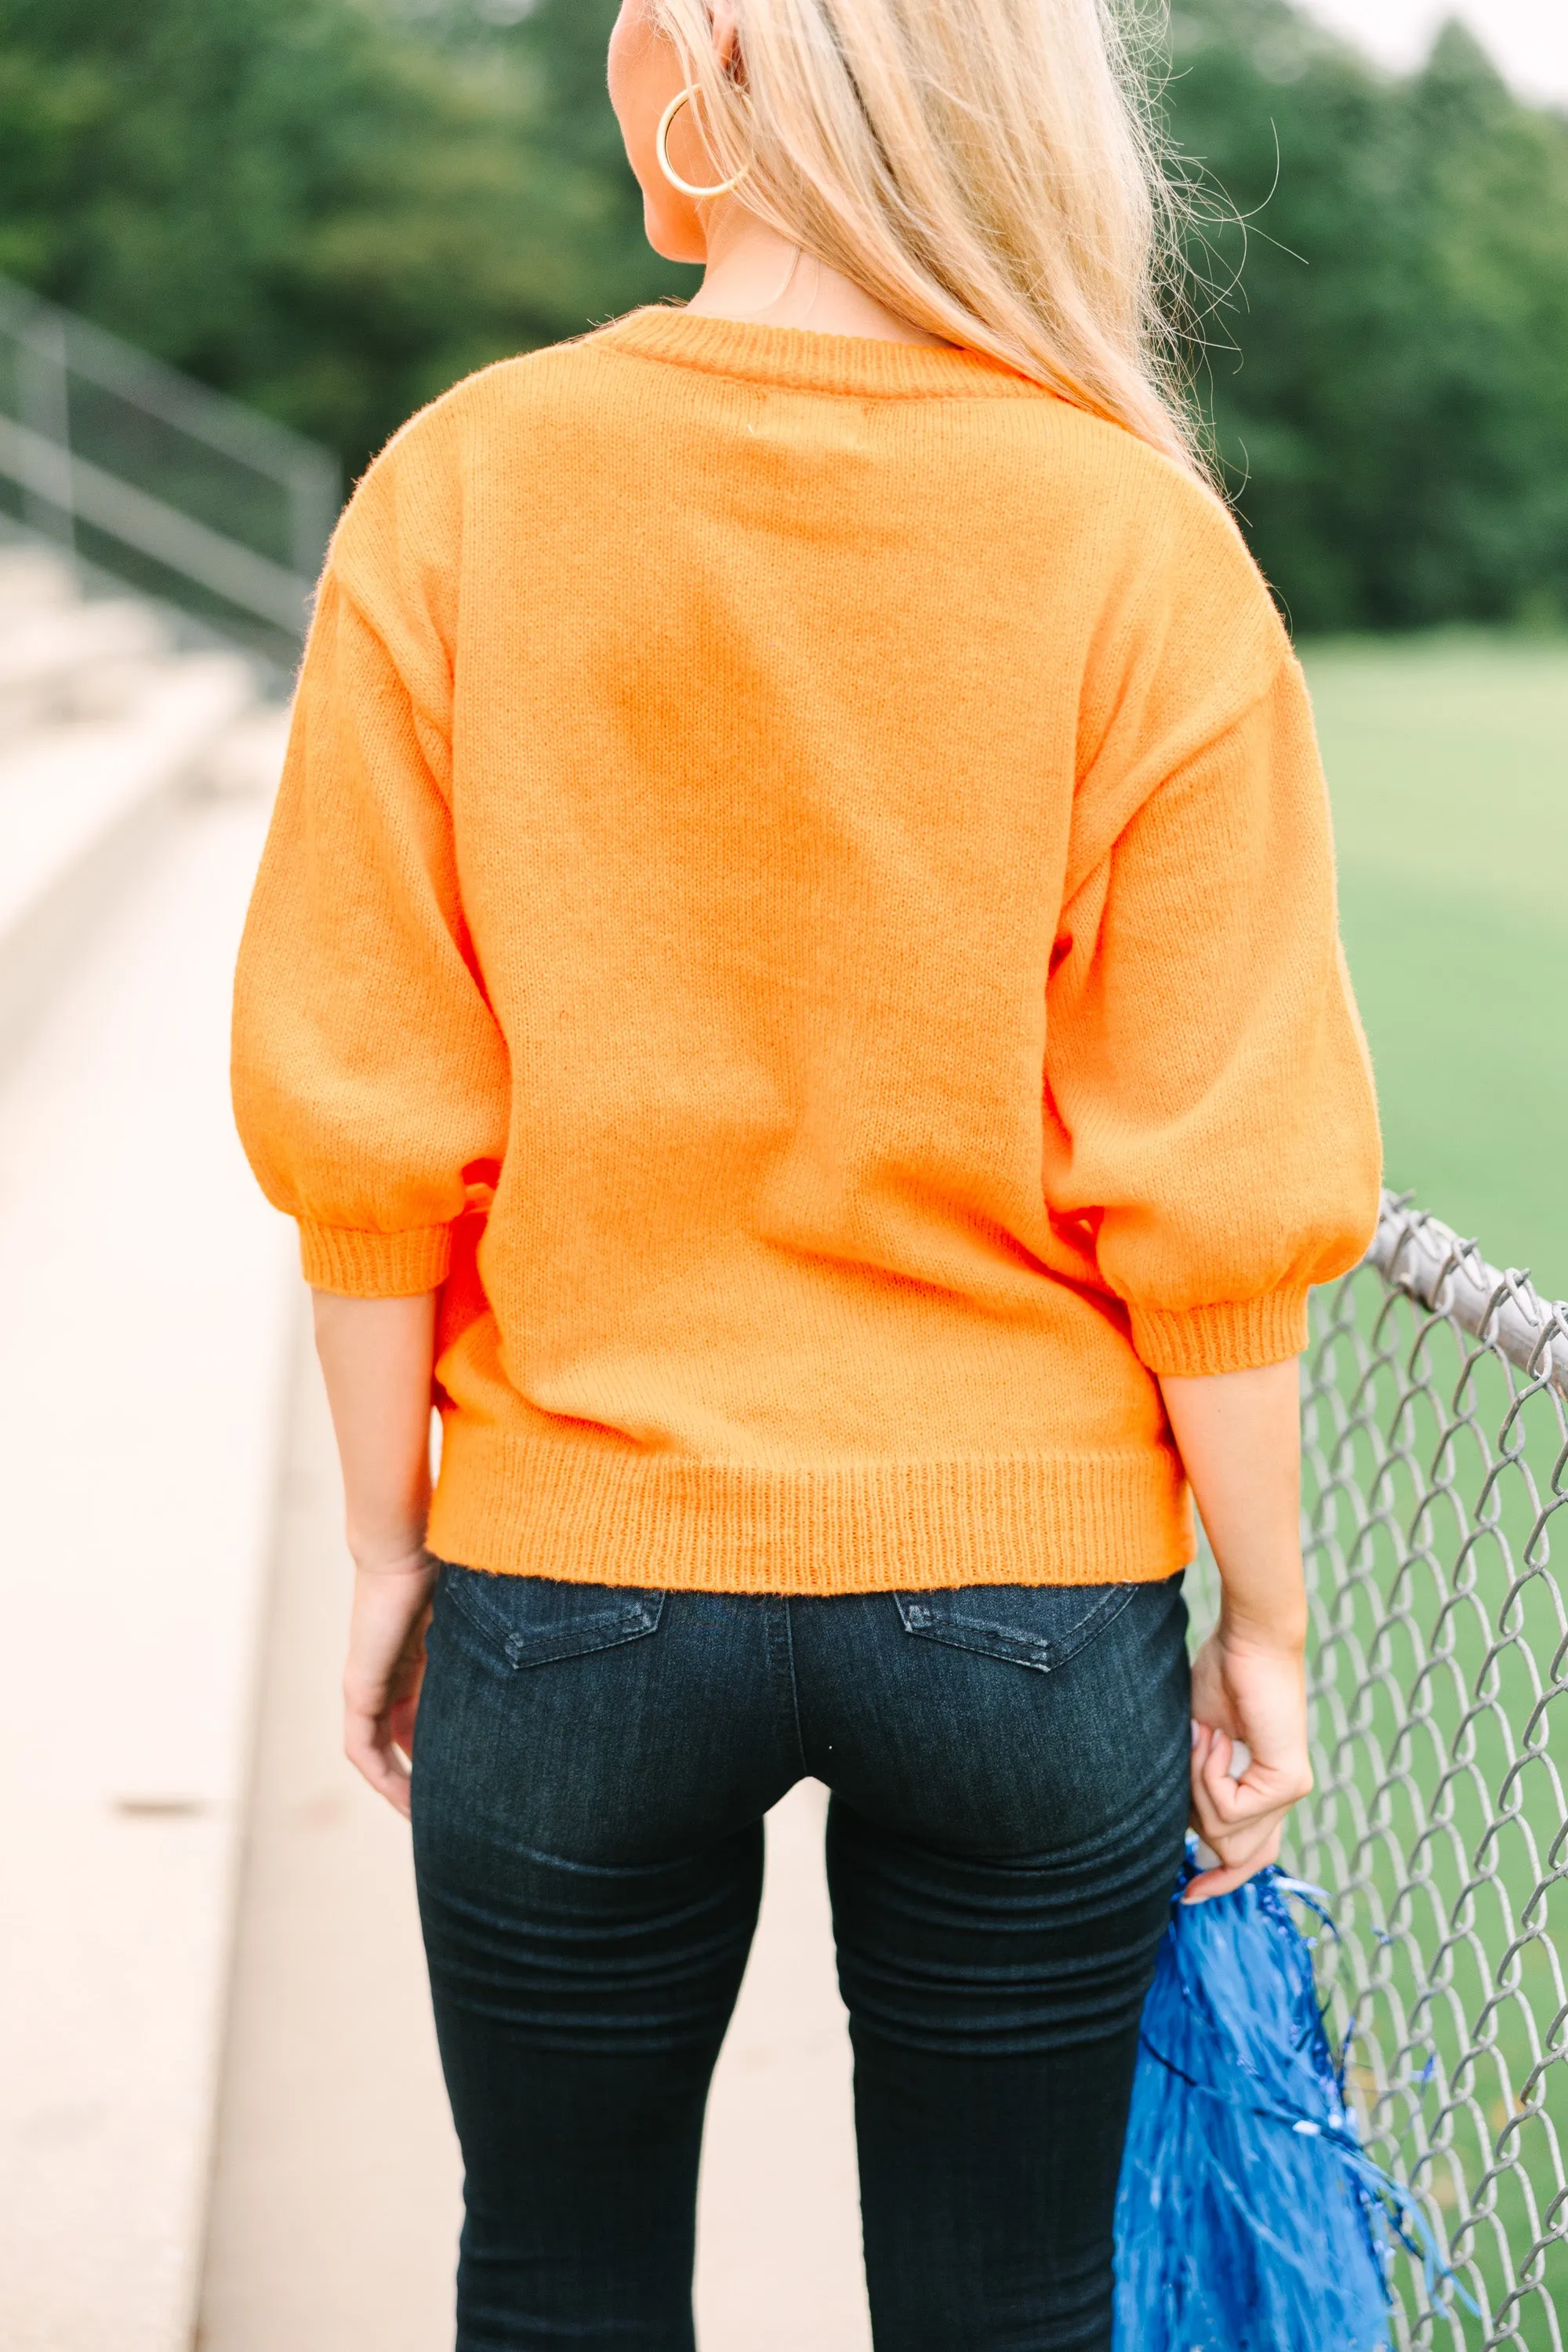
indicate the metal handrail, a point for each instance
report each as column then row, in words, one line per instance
column 236, row 572
column 1420, row 1256
column 61, row 487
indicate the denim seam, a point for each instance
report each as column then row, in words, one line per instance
column 793, row 1685
column 788, row 1624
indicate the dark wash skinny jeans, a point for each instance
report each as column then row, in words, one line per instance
column 1009, row 1775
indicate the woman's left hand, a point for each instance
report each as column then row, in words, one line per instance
column 385, row 1671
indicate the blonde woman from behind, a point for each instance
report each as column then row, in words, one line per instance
column 794, row 991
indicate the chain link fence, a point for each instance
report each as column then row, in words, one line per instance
column 1436, row 1427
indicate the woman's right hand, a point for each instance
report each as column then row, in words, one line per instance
column 376, row 1356
column 1249, row 1690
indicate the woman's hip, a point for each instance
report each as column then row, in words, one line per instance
column 612, row 1727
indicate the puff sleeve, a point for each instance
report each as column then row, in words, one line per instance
column 1212, row 1142
column 371, row 1081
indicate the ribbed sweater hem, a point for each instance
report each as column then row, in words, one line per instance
column 586, row 1514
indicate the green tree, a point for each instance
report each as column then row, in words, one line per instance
column 334, row 208
column 1388, row 373
column 327, row 209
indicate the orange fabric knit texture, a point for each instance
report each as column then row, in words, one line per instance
column 802, row 897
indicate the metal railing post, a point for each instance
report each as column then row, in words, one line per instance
column 43, row 400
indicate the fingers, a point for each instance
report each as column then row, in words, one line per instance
column 400, row 1723
column 1241, row 1820
column 1226, row 1880
column 378, row 1735
column 1227, row 1807
column 1242, row 1856
column 1224, row 1806
column 382, row 1676
column 369, row 1746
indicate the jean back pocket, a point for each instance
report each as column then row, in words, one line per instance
column 534, row 1621
column 1036, row 1625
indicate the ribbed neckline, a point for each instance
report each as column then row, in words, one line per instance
column 798, row 359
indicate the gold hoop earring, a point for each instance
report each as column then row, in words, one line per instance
column 661, row 148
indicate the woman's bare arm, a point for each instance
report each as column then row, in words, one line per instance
column 1239, row 1437
column 376, row 1356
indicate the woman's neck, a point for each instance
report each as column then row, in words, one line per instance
column 758, row 276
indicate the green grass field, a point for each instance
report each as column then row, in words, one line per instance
column 1447, row 759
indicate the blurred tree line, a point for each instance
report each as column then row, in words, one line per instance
column 334, row 208
column 1389, row 377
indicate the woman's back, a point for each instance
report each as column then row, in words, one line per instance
column 833, row 833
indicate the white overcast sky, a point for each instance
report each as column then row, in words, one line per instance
column 1528, row 38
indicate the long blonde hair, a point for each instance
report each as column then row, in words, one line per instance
column 990, row 169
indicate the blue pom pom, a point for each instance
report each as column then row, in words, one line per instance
column 1248, row 2218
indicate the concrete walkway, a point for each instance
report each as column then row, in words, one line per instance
column 143, row 1350
column 335, row 2200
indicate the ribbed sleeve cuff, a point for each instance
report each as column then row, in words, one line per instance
column 1196, row 1341
column 374, row 1265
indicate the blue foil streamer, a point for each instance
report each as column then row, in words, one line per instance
column 1250, row 2219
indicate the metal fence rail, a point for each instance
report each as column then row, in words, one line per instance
column 1436, row 1425
column 156, row 478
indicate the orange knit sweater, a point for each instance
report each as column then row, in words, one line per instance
column 802, row 897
